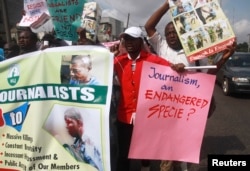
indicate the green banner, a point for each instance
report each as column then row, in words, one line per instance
column 65, row 14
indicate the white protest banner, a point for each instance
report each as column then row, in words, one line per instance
column 52, row 119
column 33, row 10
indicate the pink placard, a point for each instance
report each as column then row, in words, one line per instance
column 171, row 114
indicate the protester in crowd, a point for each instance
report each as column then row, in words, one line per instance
column 2, row 42
column 1, row 55
column 119, row 48
column 49, row 40
column 11, row 50
column 148, row 46
column 80, row 71
column 83, row 148
column 27, row 41
column 172, row 50
column 127, row 69
column 83, row 40
column 46, row 41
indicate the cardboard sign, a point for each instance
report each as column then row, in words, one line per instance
column 33, row 10
column 66, row 16
column 171, row 114
column 202, row 27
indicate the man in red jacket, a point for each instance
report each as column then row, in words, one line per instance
column 127, row 69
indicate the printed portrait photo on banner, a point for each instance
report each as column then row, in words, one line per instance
column 78, row 70
column 78, row 130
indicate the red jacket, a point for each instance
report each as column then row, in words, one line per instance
column 130, row 81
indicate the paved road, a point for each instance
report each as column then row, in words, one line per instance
column 227, row 131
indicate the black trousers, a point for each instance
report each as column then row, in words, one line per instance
column 199, row 13
column 124, row 138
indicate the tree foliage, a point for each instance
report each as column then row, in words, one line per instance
column 242, row 47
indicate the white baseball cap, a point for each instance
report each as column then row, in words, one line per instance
column 135, row 32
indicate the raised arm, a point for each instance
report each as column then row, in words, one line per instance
column 150, row 25
column 229, row 51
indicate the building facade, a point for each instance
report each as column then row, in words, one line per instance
column 110, row 29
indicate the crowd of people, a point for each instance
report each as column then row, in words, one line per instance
column 127, row 68
column 129, row 55
column 28, row 41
